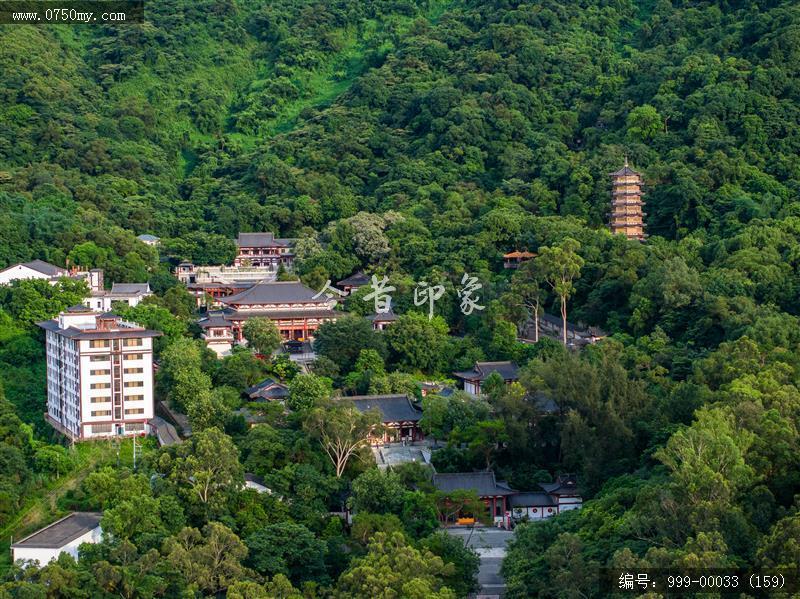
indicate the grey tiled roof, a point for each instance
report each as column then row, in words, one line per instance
column 355, row 280
column 51, row 270
column 268, row 389
column 531, row 500
column 275, row 292
column 63, row 531
column 393, row 408
column 566, row 484
column 482, row 370
column 257, row 240
column 483, row 483
column 130, row 288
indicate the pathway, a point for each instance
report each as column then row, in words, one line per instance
column 490, row 544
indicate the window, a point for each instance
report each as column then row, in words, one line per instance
column 101, row 428
column 100, row 386
column 100, row 399
column 134, row 370
column 134, row 384
column 132, row 342
column 130, row 411
column 134, row 427
column 100, row 358
column 100, row 372
column 101, row 412
column 134, row 356
column 99, row 343
column 134, row 398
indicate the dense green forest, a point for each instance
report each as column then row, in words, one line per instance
column 422, row 140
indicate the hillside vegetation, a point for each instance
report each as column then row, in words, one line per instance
column 422, row 140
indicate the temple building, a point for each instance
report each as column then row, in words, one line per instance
column 295, row 309
column 516, row 258
column 472, row 379
column 507, row 506
column 626, row 215
column 354, row 282
column 264, row 250
column 99, row 374
column 399, row 417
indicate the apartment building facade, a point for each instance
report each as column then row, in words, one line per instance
column 99, row 374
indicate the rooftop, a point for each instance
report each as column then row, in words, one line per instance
column 147, row 237
column 566, row 484
column 483, row 483
column 482, row 370
column 355, row 280
column 130, row 288
column 268, row 389
column 51, row 270
column 60, row 533
column 389, row 316
column 257, row 240
column 84, row 324
column 274, row 292
column 531, row 500
column 393, row 408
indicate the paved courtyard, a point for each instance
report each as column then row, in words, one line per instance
column 490, row 543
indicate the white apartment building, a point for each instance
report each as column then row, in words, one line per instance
column 99, row 374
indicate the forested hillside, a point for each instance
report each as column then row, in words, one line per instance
column 423, row 140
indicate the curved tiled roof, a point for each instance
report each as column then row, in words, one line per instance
column 275, row 292
column 393, row 408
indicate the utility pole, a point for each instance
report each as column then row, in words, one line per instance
column 134, row 453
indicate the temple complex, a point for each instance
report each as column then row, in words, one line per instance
column 295, row 309
column 626, row 203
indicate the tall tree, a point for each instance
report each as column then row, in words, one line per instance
column 342, row 430
column 526, row 289
column 560, row 266
column 262, row 335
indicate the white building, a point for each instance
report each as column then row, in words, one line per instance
column 148, row 239
column 62, row 536
column 129, row 293
column 99, row 374
column 36, row 269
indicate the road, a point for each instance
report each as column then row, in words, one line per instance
column 490, row 543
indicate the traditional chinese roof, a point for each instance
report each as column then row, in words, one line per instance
column 258, row 240
column 482, row 370
column 389, row 316
column 483, row 483
column 358, row 279
column 214, row 319
column 393, row 408
column 268, row 389
column 566, row 484
column 60, row 533
column 79, row 309
column 522, row 500
column 518, row 254
column 130, row 289
column 624, row 171
column 275, row 292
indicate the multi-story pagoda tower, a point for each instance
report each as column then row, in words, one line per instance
column 626, row 203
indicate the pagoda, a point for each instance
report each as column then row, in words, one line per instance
column 626, row 203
